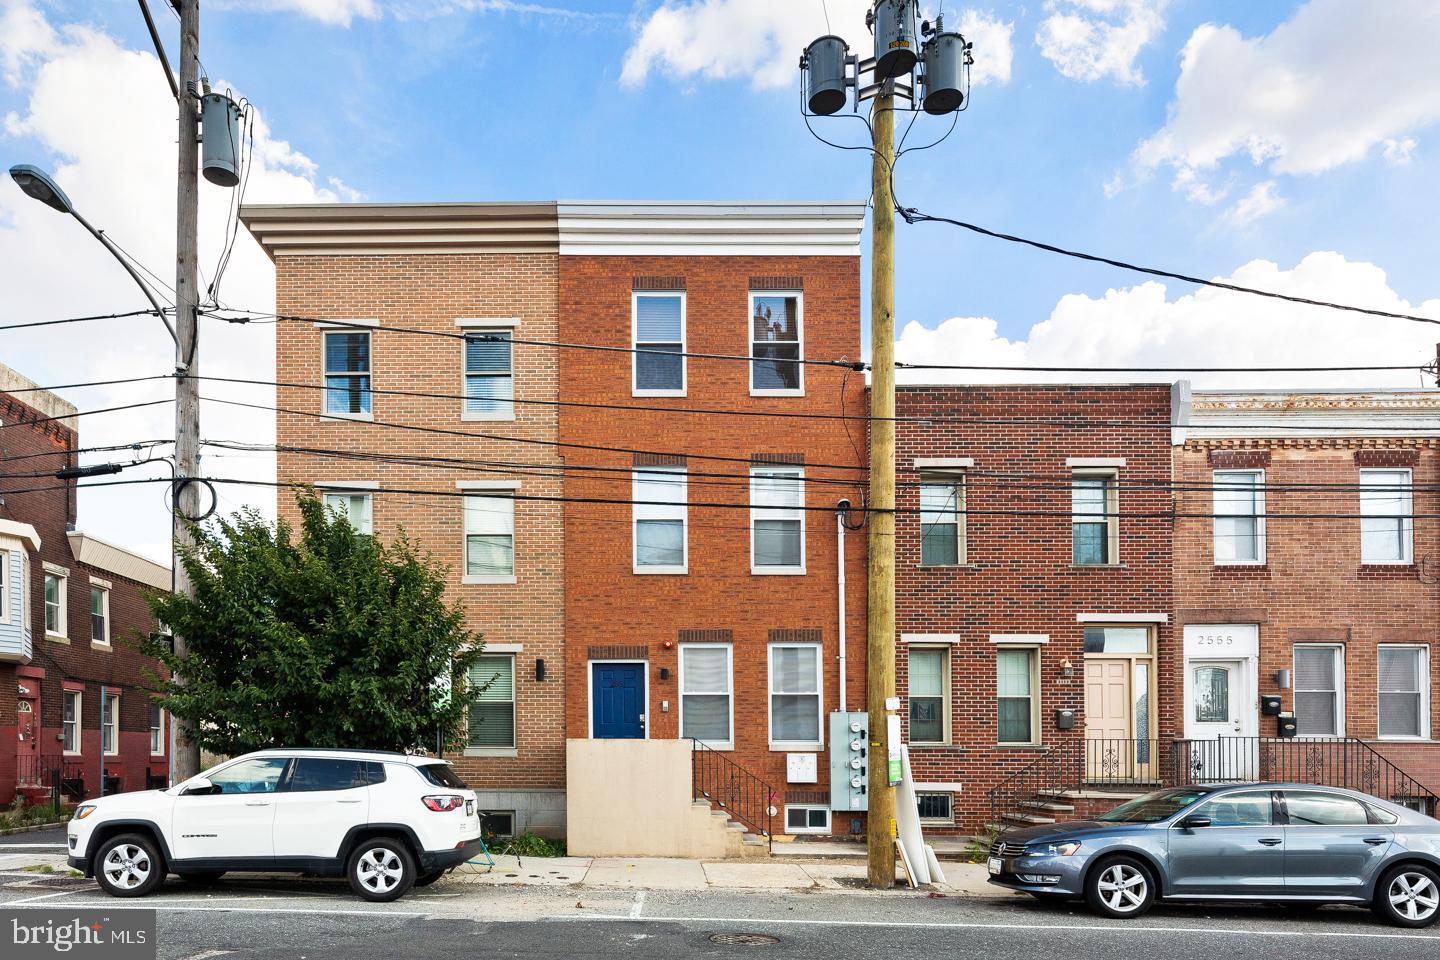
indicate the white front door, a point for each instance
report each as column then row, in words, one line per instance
column 1220, row 720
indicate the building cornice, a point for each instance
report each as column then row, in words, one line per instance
column 94, row 552
column 1388, row 417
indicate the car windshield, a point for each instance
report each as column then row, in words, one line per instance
column 1153, row 807
column 442, row 775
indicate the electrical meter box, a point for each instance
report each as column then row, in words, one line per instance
column 850, row 761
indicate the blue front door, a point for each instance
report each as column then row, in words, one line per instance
column 617, row 699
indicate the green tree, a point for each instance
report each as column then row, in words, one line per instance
column 317, row 636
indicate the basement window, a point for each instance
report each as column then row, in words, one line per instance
column 803, row 819
column 498, row 823
column 936, row 807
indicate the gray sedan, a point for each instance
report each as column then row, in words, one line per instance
column 1282, row 842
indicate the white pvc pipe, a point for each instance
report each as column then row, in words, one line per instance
column 840, row 594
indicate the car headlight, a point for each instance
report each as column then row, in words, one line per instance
column 84, row 810
column 1067, row 848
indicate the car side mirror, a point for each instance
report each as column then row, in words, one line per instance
column 200, row 786
column 1190, row 823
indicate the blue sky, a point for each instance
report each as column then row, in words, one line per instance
column 1216, row 138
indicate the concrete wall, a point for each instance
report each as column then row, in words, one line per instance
column 537, row 811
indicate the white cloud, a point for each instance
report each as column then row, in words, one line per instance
column 117, row 164
column 1090, row 40
column 1262, row 200
column 337, row 13
column 1143, row 326
column 761, row 40
column 1322, row 90
column 341, row 13
column 1399, row 150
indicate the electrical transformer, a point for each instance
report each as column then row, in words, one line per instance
column 849, row 761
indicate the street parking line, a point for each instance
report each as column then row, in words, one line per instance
column 638, row 905
column 43, row 896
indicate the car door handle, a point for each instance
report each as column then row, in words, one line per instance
column 257, row 803
column 1376, row 841
column 1271, row 841
column 356, row 800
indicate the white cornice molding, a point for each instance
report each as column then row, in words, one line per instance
column 24, row 532
column 94, row 552
column 1313, row 413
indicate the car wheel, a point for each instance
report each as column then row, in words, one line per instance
column 425, row 879
column 1121, row 887
column 201, row 876
column 129, row 866
column 381, row 870
column 1408, row 896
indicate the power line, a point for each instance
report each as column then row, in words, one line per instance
column 901, row 365
column 84, row 413
column 98, row 316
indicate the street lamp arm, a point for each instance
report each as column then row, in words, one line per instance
column 144, row 287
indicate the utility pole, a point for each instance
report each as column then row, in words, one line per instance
column 880, row 642
column 185, row 754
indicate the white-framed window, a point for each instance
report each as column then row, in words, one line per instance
column 1239, row 502
column 942, row 519
column 777, row 344
column 660, row 520
column 657, row 325
column 1319, row 684
column 1017, row 706
column 1386, row 516
column 801, row 819
column 157, row 730
column 492, row 714
column 490, row 537
column 357, row 508
column 110, row 724
column 707, row 704
column 928, row 686
column 935, row 806
column 777, row 519
column 1094, row 518
column 795, row 700
column 347, row 373
column 56, row 601
column 99, row 614
column 489, row 375
column 1404, row 691
column 70, row 721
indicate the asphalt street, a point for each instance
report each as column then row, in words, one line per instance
column 253, row 918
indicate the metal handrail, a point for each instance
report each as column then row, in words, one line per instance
column 722, row 782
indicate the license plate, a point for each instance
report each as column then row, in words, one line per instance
column 469, row 807
column 994, row 866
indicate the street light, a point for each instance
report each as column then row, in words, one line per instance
column 39, row 184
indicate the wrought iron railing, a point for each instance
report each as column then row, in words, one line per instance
column 64, row 777
column 734, row 790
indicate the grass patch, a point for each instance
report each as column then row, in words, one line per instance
column 978, row 849
column 526, row 845
column 22, row 815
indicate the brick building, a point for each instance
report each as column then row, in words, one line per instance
column 1033, row 582
column 1335, row 615
column 74, row 695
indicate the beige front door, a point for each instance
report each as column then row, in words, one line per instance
column 1108, row 753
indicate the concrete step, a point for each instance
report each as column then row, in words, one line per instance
column 1029, row 819
column 1049, row 806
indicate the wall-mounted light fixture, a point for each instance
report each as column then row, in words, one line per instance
column 664, row 673
column 1067, row 669
column 1282, row 679
column 539, row 669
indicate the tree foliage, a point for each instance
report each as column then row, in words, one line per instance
column 317, row 636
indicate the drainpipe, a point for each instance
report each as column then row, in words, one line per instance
column 841, row 509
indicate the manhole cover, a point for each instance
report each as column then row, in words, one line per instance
column 743, row 939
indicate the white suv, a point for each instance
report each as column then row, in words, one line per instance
column 385, row 821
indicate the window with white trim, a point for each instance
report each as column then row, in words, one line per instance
column 806, row 819
column 99, row 614
column 942, row 519
column 658, row 329
column 357, row 508
column 660, row 520
column 110, row 724
column 777, row 519
column 1319, row 683
column 795, row 695
column 492, row 713
column 935, row 807
column 1017, row 707
column 489, row 536
column 55, row 603
column 706, row 703
column 489, row 375
column 1239, row 501
column 928, row 689
column 1404, row 682
column 70, row 721
column 1386, row 521
column 347, row 372
column 776, row 344
column 157, row 730
column 1094, row 521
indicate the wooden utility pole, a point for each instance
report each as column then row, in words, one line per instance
column 880, row 643
column 185, row 755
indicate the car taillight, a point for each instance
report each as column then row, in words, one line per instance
column 444, row 804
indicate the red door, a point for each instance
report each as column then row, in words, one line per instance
column 28, row 723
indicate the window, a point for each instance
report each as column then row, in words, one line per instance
column 1015, row 688
column 942, row 531
column 1238, row 810
column 354, row 507
column 99, row 614
column 442, row 775
column 4, row 586
column 936, row 807
column 1319, row 681
column 928, row 668
column 489, row 375
column 492, row 714
column 660, row 521
column 1239, row 516
column 1117, row 640
column 157, row 730
column 807, row 819
column 317, row 774
column 1385, row 521
column 659, row 332
column 775, row 344
column 1094, row 529
column 1317, row 809
column 794, row 695
column 70, row 722
column 110, row 723
column 347, row 373
column 1404, row 683
column 498, row 823
column 490, row 538
column 25, row 622
column 55, row 601
column 777, row 520
column 261, row 775
column 706, row 679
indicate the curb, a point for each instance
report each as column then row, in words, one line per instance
column 33, row 828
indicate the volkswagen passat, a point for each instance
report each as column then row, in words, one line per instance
column 1260, row 841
